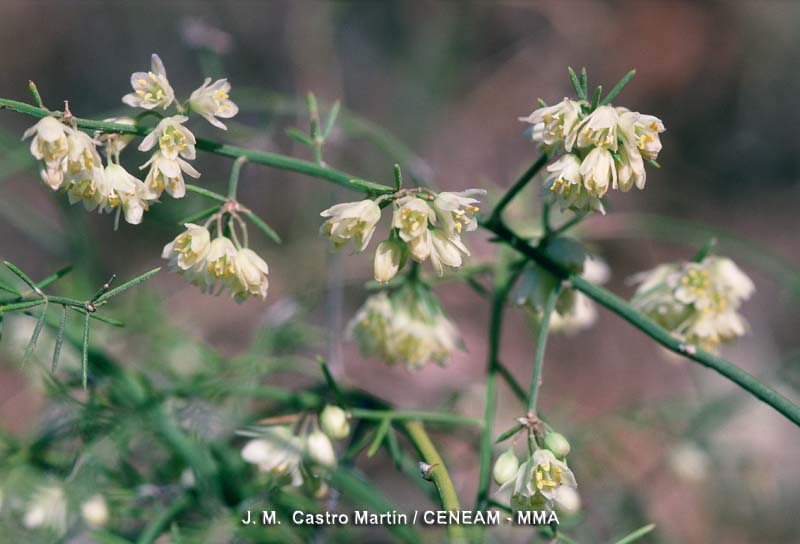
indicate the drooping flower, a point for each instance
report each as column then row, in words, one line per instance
column 172, row 137
column 554, row 126
column 47, row 509
column 211, row 101
column 630, row 168
column 599, row 171
column 82, row 158
column 565, row 182
column 446, row 251
column 389, row 257
column 279, row 452
column 411, row 217
column 50, row 146
column 333, row 421
column 351, row 220
column 188, row 250
column 407, row 328
column 642, row 131
column 126, row 192
column 455, row 211
column 696, row 302
column 251, row 275
column 167, row 175
column 150, row 89
column 538, row 482
column 218, row 265
column 505, row 468
column 320, row 449
column 598, row 129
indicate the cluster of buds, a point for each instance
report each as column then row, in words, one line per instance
column 408, row 326
column 602, row 148
column 219, row 263
column 696, row 301
column 284, row 455
column 70, row 162
column 543, row 482
column 424, row 225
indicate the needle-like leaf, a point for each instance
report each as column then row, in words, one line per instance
column 127, row 285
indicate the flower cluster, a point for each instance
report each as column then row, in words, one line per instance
column 424, row 225
column 696, row 301
column 408, row 326
column 69, row 160
column 219, row 263
column 601, row 149
column 286, row 455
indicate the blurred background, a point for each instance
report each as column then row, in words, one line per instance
column 438, row 87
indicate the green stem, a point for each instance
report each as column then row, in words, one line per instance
column 541, row 344
column 233, row 182
column 649, row 327
column 430, row 417
column 438, row 473
column 518, row 186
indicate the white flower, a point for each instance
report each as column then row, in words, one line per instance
column 405, row 329
column 218, row 265
column 389, row 256
column 47, row 509
column 150, row 89
column 172, row 137
column 333, row 421
column 598, row 129
column 94, row 511
column 188, row 249
column 566, row 184
column 82, row 158
column 420, row 247
column 630, row 168
column 351, row 220
column 567, row 500
column 50, row 146
column 279, row 452
column 599, row 171
column 167, row 175
column 211, row 100
column 554, row 126
column 446, row 251
column 455, row 211
column 320, row 449
column 126, row 192
column 505, row 468
column 696, row 302
column 114, row 142
column 642, row 131
column 251, row 273
column 89, row 189
column 538, row 482
column 411, row 217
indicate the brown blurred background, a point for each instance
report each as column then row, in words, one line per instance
column 449, row 79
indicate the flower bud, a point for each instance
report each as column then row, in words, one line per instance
column 334, row 422
column 388, row 258
column 95, row 511
column 556, row 443
column 320, row 449
column 567, row 500
column 505, row 468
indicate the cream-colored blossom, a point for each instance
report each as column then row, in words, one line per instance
column 554, row 126
column 598, row 129
column 642, row 131
column 630, row 168
column 82, row 158
column 150, row 89
column 421, row 246
column 389, row 256
column 697, row 302
column 114, row 142
column 172, row 138
column 411, row 217
column 188, row 250
column 351, row 220
column 50, row 146
column 167, row 175
column 251, row 275
column 320, row 449
column 599, row 171
column 218, row 266
column 126, row 192
column 446, row 251
column 456, row 211
column 211, row 101
column 538, row 482
column 278, row 452
column 565, row 182
column 505, row 468
column 333, row 421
